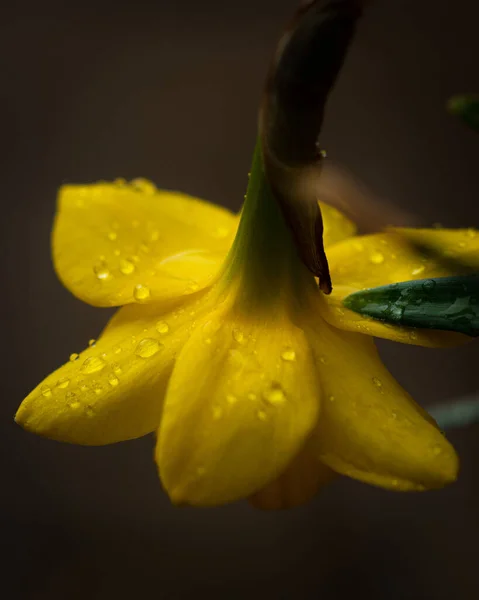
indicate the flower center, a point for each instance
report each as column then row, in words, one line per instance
column 263, row 261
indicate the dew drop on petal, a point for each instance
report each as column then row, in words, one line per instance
column 261, row 414
column 436, row 450
column 63, row 383
column 113, row 380
column 93, row 365
column 141, row 292
column 288, row 354
column 413, row 335
column 331, row 398
column 377, row 382
column 126, row 267
column 115, row 368
column 238, row 336
column 231, row 399
column 274, row 394
column 101, row 271
column 112, row 235
column 323, row 360
column 116, row 349
column 377, row 258
column 148, row 347
column 251, row 396
column 72, row 401
column 46, row 391
column 162, row 327
column 471, row 233
column 74, row 357
column 418, row 270
column 92, row 343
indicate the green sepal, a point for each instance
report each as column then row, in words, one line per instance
column 444, row 303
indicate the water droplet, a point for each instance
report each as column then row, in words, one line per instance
column 238, row 336
column 413, row 335
column 115, row 368
column 217, row 413
column 154, row 236
column 394, row 482
column 288, row 354
column 162, row 327
column 93, row 365
column 340, row 311
column 275, row 394
column 92, row 343
column 377, row 382
column 462, row 244
column 377, row 258
column 97, row 387
column 113, row 380
column 436, row 450
column 112, row 235
column 323, row 154
column 144, row 248
column 200, row 471
column 331, row 398
column 116, row 252
column 231, row 399
column 430, row 284
column 101, row 270
column 46, row 391
column 126, row 267
column 251, row 396
column 82, row 385
column 208, row 341
column 418, row 270
column 116, row 349
column 323, row 360
column 394, row 415
column 192, row 287
column 143, row 185
column 147, row 347
column 471, row 233
column 261, row 414
column 72, row 401
column 63, row 383
column 141, row 292
column 90, row 411
column 74, row 357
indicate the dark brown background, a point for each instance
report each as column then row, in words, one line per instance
column 169, row 90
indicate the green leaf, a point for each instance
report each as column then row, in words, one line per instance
column 466, row 107
column 444, row 303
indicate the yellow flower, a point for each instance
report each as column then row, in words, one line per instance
column 256, row 383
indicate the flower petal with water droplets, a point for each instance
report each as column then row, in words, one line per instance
column 118, row 243
column 116, row 386
column 235, row 413
column 369, row 427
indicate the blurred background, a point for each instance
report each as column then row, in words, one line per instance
column 169, row 91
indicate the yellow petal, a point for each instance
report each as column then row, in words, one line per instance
column 242, row 399
column 119, row 243
column 391, row 257
column 337, row 226
column 297, row 485
column 369, row 427
column 114, row 390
